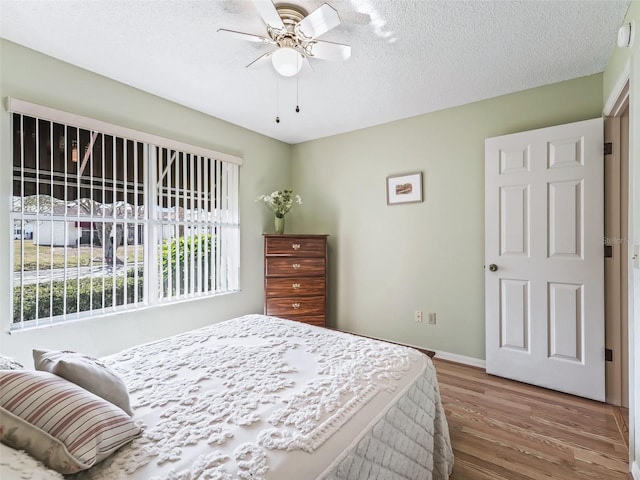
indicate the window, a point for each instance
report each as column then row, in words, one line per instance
column 197, row 220
column 108, row 219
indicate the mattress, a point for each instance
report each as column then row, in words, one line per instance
column 259, row 397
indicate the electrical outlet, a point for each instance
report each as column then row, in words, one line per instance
column 432, row 318
column 417, row 316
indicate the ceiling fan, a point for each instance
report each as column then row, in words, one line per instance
column 295, row 33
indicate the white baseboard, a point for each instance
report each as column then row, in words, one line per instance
column 454, row 357
column 635, row 470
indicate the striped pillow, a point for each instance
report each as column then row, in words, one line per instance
column 59, row 423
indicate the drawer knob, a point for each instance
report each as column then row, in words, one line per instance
column 295, row 306
column 296, row 285
column 296, row 246
column 296, row 266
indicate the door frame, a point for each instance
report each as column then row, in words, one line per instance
column 616, row 165
column 626, row 78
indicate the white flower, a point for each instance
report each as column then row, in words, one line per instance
column 280, row 201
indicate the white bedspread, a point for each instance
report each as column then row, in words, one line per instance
column 263, row 398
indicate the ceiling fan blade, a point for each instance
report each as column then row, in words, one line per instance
column 269, row 14
column 321, row 20
column 245, row 36
column 328, row 50
column 260, row 60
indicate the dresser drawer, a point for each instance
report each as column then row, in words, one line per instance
column 294, row 286
column 293, row 266
column 302, row 247
column 295, row 306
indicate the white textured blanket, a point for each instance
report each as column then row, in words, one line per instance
column 264, row 398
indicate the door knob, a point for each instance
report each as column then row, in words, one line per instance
column 493, row 267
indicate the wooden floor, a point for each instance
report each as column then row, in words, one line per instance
column 509, row 430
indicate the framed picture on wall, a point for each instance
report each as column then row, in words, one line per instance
column 406, row 188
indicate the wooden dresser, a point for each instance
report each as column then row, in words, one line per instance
column 295, row 277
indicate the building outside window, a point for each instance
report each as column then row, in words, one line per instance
column 104, row 222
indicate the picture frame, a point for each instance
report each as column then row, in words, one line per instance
column 405, row 188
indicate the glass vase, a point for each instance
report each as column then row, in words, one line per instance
column 279, row 224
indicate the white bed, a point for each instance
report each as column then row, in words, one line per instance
column 259, row 397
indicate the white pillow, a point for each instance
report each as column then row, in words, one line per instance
column 87, row 372
column 57, row 422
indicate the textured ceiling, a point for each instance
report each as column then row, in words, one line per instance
column 408, row 56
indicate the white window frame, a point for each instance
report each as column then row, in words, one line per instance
column 218, row 218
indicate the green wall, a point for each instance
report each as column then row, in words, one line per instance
column 34, row 77
column 387, row 261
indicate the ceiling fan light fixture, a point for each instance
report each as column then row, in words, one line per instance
column 287, row 61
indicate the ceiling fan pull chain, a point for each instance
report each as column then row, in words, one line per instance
column 297, row 91
column 277, row 99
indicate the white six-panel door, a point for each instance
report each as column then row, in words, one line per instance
column 544, row 272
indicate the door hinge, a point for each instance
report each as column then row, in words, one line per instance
column 608, row 355
column 608, row 148
column 608, row 251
